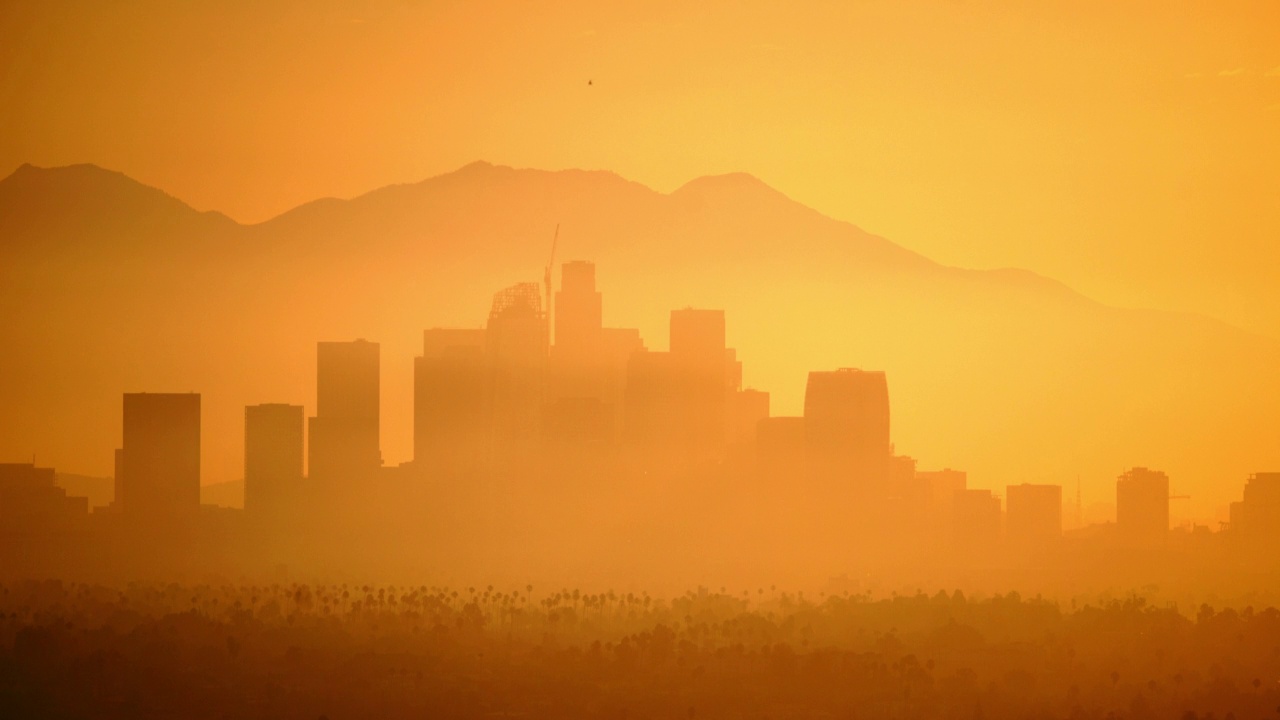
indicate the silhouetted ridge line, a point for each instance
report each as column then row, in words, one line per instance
column 36, row 195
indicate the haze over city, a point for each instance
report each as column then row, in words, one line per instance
column 610, row 361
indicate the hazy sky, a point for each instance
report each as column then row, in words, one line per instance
column 1131, row 150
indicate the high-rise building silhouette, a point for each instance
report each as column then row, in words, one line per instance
column 31, row 503
column 746, row 409
column 1142, row 506
column 273, row 453
column 344, row 434
column 450, row 402
column 698, row 334
column 1033, row 514
column 516, row 348
column 846, row 415
column 651, row 403
column 1257, row 516
column 975, row 520
column 617, row 345
column 578, row 370
column 579, row 312
column 700, row 362
column 160, row 458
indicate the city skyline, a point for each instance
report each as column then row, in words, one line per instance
column 509, row 410
column 1208, row 502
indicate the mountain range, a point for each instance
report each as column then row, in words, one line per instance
column 110, row 286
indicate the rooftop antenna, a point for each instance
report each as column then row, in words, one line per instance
column 546, row 281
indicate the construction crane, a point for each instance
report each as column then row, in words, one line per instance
column 546, row 281
column 1187, row 521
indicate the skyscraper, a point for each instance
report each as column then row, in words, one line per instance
column 1142, row 506
column 975, row 520
column 273, row 442
column 516, row 349
column 579, row 311
column 345, row 431
column 1257, row 516
column 160, row 458
column 450, row 410
column 578, row 367
column 846, row 415
column 699, row 363
column 780, row 448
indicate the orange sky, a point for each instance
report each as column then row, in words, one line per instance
column 1132, row 152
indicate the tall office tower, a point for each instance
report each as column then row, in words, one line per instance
column 937, row 489
column 1142, row 506
column 579, row 311
column 698, row 334
column 618, row 345
column 847, row 429
column 975, row 520
column 160, row 459
column 780, row 449
column 746, row 409
column 578, row 370
column 1257, row 515
column 450, row 411
column 272, row 459
column 516, row 348
column 650, row 403
column 699, row 363
column 1033, row 515
column 344, row 445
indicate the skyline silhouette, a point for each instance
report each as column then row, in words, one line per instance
column 524, row 438
column 1193, row 373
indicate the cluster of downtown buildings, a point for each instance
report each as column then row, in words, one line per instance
column 505, row 405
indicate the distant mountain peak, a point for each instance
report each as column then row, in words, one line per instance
column 733, row 182
column 83, row 194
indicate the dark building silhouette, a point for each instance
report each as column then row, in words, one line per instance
column 1142, row 507
column 1033, row 515
column 30, row 502
column 450, row 402
column 579, row 316
column 516, row 349
column 846, row 415
column 651, row 403
column 745, row 411
column 1257, row 516
column 617, row 345
column 344, row 445
column 587, row 372
column 975, row 520
column 160, row 459
column 273, row 453
column 929, row 498
column 699, row 366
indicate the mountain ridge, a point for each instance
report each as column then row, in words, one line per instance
column 320, row 207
